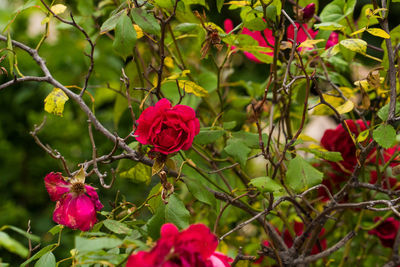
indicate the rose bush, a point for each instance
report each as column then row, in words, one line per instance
column 168, row 129
column 76, row 203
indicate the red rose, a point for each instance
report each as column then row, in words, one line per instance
column 339, row 140
column 169, row 129
column 332, row 40
column 332, row 183
column 194, row 246
column 386, row 231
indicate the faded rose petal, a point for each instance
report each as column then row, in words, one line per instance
column 220, row 260
column 94, row 197
column 56, row 186
column 81, row 213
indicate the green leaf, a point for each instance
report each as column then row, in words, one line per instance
column 86, row 7
column 83, row 244
column 111, row 22
column 252, row 140
column 176, row 212
column 47, row 260
column 145, row 21
column 199, row 191
column 140, row 173
column 125, row 36
column 337, row 10
column 385, row 135
column 383, row 112
column 325, row 154
column 329, row 26
column 301, row 175
column 265, row 184
column 355, row 45
column 10, row 52
column 229, row 125
column 154, row 223
column 208, row 136
column 220, row 3
column 32, row 237
column 56, row 229
column 13, row 245
column 117, row 227
column 185, row 27
column 256, row 24
column 39, row 254
column 238, row 150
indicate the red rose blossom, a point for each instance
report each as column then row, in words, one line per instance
column 374, row 179
column 77, row 203
column 193, row 247
column 301, row 34
column 168, row 129
column 332, row 40
column 386, row 231
column 339, row 140
column 256, row 35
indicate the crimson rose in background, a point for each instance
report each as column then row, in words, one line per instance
column 193, row 247
column 298, row 228
column 168, row 129
column 77, row 203
column 339, row 140
column 386, row 231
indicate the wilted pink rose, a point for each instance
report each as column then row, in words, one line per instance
column 256, row 35
column 332, row 40
column 301, row 34
column 168, row 129
column 76, row 204
column 386, row 231
column 308, row 11
column 339, row 140
column 194, row 246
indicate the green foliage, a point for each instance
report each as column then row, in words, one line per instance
column 384, row 135
column 301, row 175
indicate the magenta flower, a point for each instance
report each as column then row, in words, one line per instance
column 76, row 204
column 256, row 35
column 308, row 11
column 194, row 246
column 332, row 40
column 301, row 34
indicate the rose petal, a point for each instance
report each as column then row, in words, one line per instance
column 56, row 186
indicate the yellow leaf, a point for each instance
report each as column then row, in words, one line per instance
column 359, row 31
column 378, row 32
column 58, row 9
column 169, row 62
column 191, row 87
column 45, row 20
column 80, row 176
column 309, row 43
column 307, row 138
column 139, row 32
column 346, row 107
column 54, row 102
column 333, row 50
column 356, row 45
column 178, row 75
column 317, row 147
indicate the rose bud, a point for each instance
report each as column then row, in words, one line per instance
column 76, row 204
column 168, row 129
column 308, row 11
